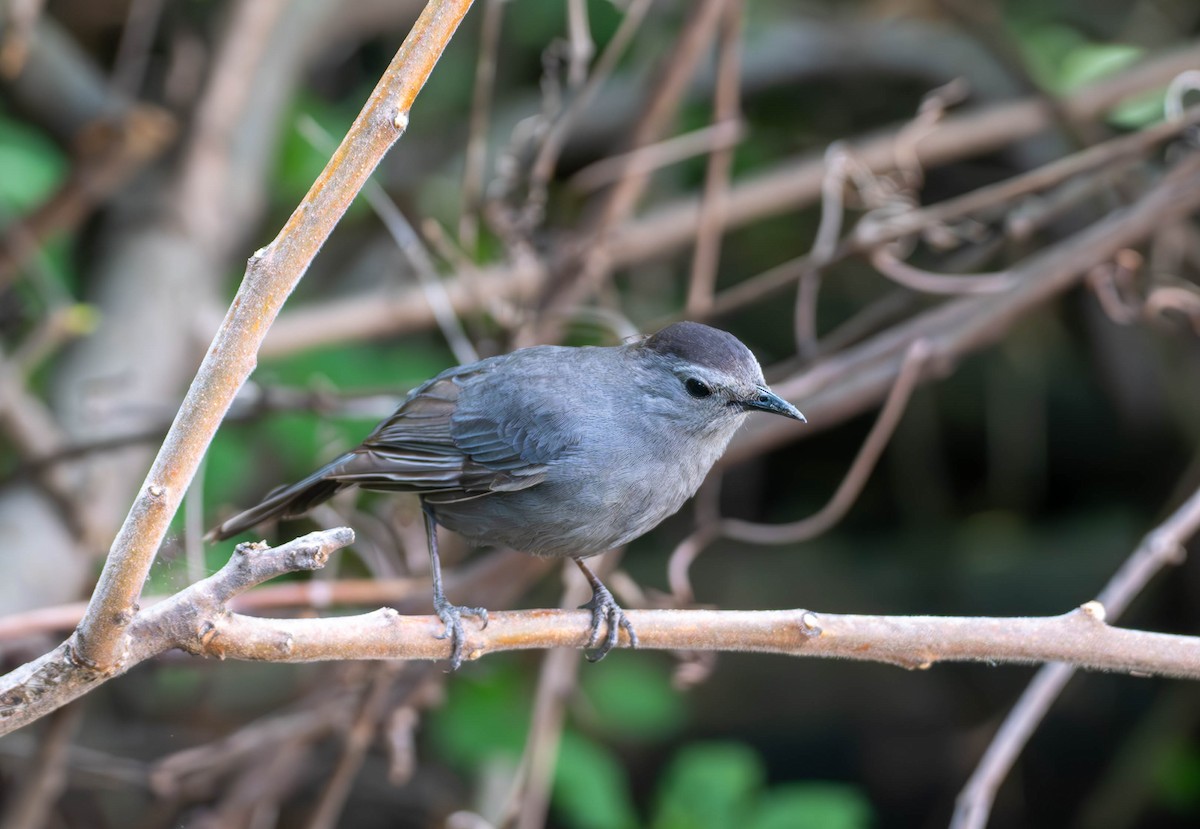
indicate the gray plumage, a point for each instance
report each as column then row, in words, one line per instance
column 552, row 450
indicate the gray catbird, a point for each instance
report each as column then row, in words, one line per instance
column 551, row 450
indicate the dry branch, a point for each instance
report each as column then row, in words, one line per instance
column 855, row 379
column 101, row 644
column 198, row 621
column 1160, row 548
column 787, row 186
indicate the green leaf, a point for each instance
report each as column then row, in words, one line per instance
column 812, row 806
column 709, row 786
column 1093, row 61
column 1045, row 48
column 633, row 698
column 590, row 787
column 1139, row 111
column 485, row 715
column 31, row 167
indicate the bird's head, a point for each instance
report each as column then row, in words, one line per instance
column 710, row 375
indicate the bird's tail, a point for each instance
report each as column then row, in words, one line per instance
column 286, row 502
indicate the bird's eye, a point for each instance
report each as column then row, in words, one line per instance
column 697, row 388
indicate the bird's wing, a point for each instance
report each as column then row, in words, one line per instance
column 455, row 433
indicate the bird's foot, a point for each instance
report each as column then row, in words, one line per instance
column 606, row 611
column 451, row 616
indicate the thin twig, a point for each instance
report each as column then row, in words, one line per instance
column 580, row 46
column 1161, row 548
column 581, row 271
column 916, row 279
column 715, row 138
column 133, row 49
column 782, row 187
column 36, row 792
column 911, row 370
column 557, row 679
column 410, row 245
column 825, row 247
column 546, row 160
column 963, row 325
column 726, row 109
column 358, row 739
column 475, row 163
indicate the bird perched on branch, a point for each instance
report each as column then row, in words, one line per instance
column 552, row 450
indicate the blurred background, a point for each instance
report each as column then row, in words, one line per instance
column 578, row 171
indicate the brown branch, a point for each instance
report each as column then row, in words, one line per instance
column 475, row 162
column 101, row 643
column 774, row 190
column 546, row 160
column 726, row 110
column 198, row 621
column 582, row 269
column 1159, row 549
column 357, row 741
column 44, row 780
column 845, row 384
column 54, row 679
column 916, row 279
column 497, row 578
column 873, row 231
column 711, row 526
column 271, row 275
column 1080, row 637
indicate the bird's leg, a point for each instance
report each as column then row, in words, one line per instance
column 450, row 614
column 604, row 610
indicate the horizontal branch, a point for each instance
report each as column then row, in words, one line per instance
column 1080, row 638
column 198, row 620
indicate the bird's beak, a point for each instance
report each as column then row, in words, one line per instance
column 765, row 400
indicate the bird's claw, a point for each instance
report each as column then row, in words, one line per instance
column 606, row 611
column 451, row 616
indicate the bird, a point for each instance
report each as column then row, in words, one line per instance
column 551, row 450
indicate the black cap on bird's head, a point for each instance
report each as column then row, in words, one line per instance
column 708, row 348
column 694, row 342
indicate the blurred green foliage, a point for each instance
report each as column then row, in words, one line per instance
column 31, row 166
column 1062, row 59
column 630, row 704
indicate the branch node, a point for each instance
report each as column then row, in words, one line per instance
column 1168, row 549
column 400, row 121
column 248, row 547
column 810, row 624
column 72, row 656
column 309, row 557
column 156, row 491
column 207, row 634
column 1094, row 611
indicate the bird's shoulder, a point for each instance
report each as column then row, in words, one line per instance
column 505, row 413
